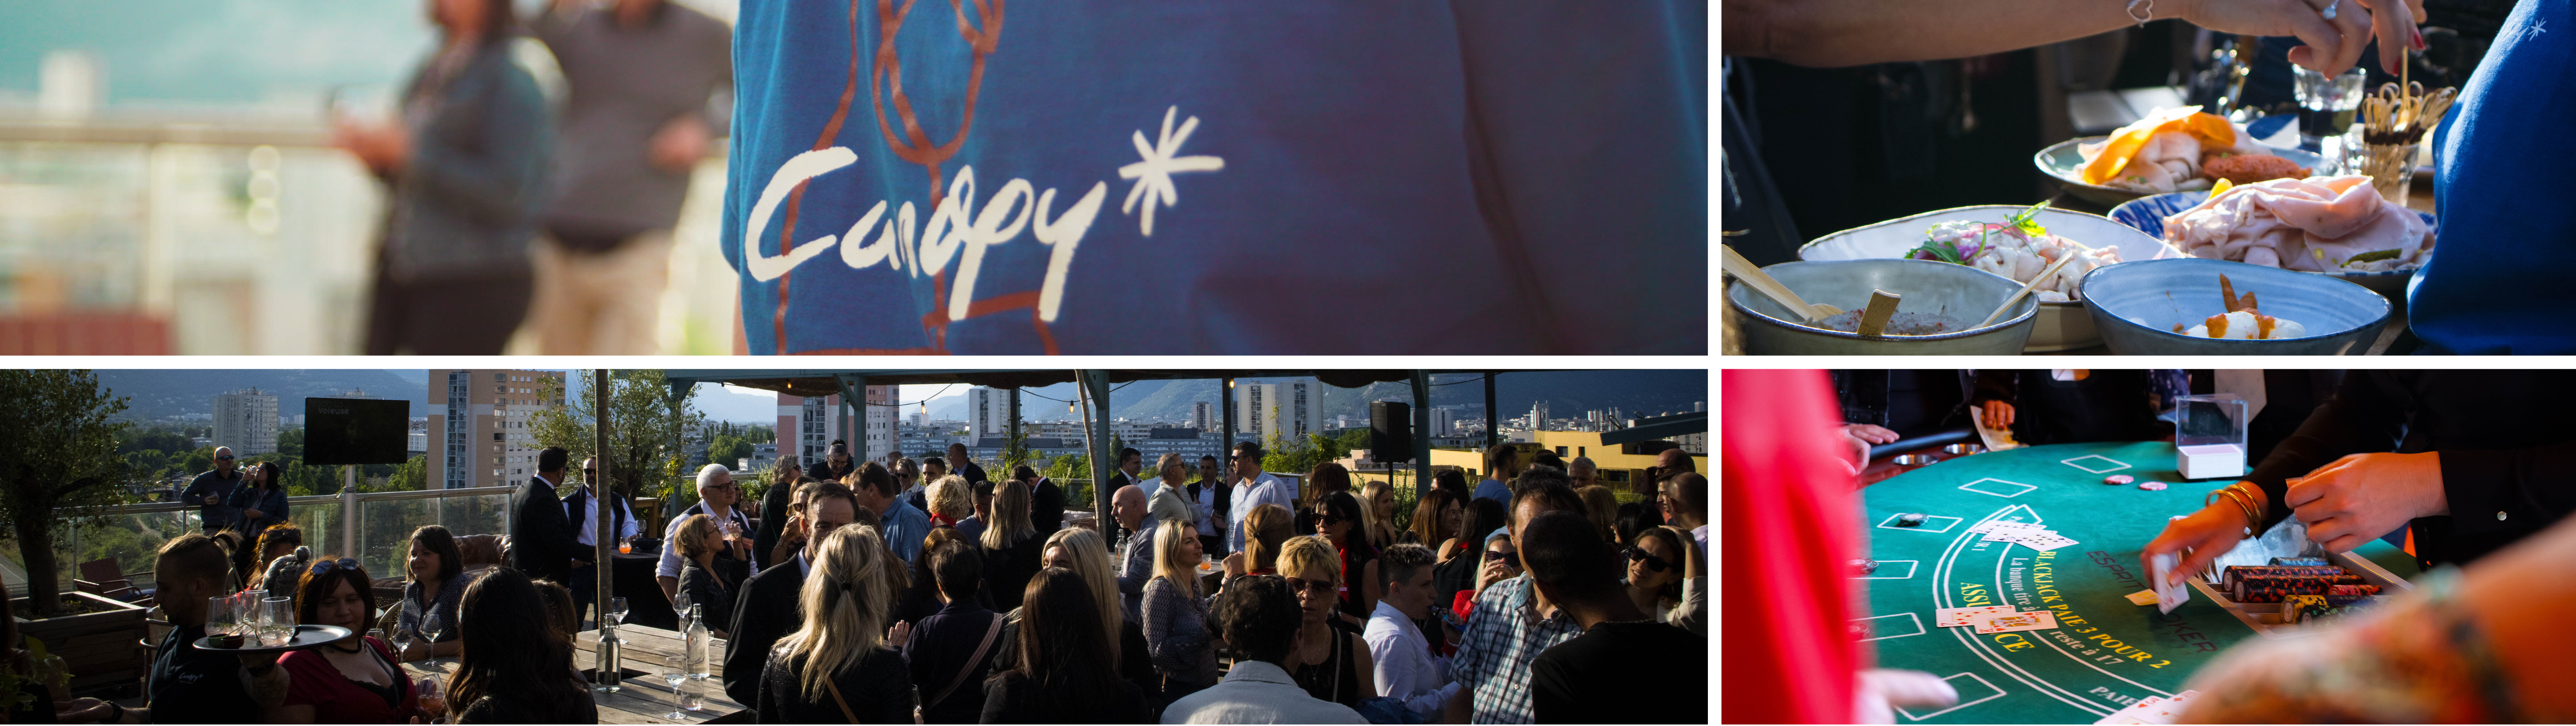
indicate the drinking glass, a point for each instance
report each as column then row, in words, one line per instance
column 219, row 615
column 278, row 613
column 617, row 611
column 431, row 627
column 625, row 545
column 433, row 702
column 675, row 673
column 2326, row 108
column 693, row 695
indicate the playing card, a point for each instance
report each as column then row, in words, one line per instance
column 2014, row 622
column 2000, row 525
column 2015, row 534
column 2134, row 713
column 2171, row 596
column 2142, row 597
column 2169, row 711
column 2044, row 541
column 1960, row 617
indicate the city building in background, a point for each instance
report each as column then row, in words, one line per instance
column 1287, row 411
column 1199, row 416
column 246, row 420
column 478, row 419
column 1190, row 442
column 988, row 413
column 815, row 422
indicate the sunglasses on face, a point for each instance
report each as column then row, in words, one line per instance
column 1654, row 563
column 329, row 565
column 1327, row 518
column 223, row 458
column 1318, row 587
column 1508, row 558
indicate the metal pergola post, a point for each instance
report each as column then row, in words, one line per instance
column 599, row 492
column 1095, row 394
column 1226, row 397
column 1493, row 433
column 852, row 400
column 1013, row 433
column 1421, row 433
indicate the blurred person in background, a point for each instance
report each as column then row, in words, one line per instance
column 1665, row 578
column 1261, row 620
column 1502, row 462
column 1436, row 519
column 648, row 86
column 1408, row 665
column 768, row 607
column 467, row 163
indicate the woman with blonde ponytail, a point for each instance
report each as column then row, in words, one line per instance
column 837, row 667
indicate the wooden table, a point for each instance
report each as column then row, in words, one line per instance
column 642, row 699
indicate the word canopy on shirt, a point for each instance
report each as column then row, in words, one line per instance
column 956, row 229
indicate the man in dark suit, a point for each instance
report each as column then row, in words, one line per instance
column 960, row 465
column 766, row 609
column 540, row 540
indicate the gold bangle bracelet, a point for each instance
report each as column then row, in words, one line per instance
column 2254, row 496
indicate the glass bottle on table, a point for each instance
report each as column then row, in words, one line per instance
column 607, row 675
column 695, row 643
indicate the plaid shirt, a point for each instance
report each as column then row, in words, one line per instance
column 1502, row 640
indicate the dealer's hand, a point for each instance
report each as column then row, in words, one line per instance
column 2362, row 496
column 1998, row 414
column 2208, row 533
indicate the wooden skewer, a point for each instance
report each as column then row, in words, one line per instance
column 2025, row 290
column 1873, row 320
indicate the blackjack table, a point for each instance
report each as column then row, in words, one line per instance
column 2105, row 652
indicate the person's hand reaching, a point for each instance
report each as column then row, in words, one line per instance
column 1860, row 436
column 2363, row 496
column 1998, row 414
column 2333, row 45
column 2208, row 533
column 679, row 144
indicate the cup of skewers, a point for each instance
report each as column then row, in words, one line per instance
column 2393, row 123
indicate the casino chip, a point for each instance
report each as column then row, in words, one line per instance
column 1864, row 565
column 2152, row 486
column 2118, row 479
column 1910, row 519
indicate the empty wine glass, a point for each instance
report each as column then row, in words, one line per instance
column 219, row 615
column 675, row 673
column 278, row 613
column 430, row 628
column 693, row 695
column 617, row 611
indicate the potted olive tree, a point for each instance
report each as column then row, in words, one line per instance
column 58, row 463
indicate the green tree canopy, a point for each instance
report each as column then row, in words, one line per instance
column 645, row 455
column 58, row 441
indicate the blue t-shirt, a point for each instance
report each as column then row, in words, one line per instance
column 2501, row 188
column 1122, row 177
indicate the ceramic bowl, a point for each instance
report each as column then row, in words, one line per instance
column 2061, row 325
column 1958, row 291
column 2136, row 306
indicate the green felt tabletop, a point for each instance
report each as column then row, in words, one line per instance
column 2105, row 653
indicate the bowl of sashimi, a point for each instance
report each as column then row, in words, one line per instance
column 2021, row 243
column 2170, row 150
column 2337, row 226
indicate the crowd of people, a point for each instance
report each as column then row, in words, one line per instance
column 899, row 591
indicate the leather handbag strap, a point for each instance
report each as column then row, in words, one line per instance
column 990, row 634
column 836, row 699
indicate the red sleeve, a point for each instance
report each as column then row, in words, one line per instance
column 1786, row 525
column 1464, row 604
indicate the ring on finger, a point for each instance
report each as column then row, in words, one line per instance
column 2330, row 9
